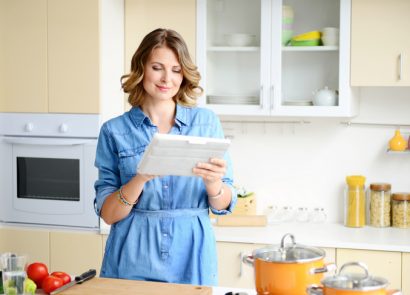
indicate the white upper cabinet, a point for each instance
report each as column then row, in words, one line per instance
column 246, row 69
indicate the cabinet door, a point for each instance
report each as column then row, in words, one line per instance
column 233, row 55
column 380, row 43
column 405, row 282
column 75, row 252
column 73, row 56
column 232, row 271
column 23, row 56
column 380, row 263
column 33, row 243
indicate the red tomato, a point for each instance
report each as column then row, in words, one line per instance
column 50, row 283
column 37, row 271
column 62, row 275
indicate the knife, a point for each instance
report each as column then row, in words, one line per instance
column 78, row 280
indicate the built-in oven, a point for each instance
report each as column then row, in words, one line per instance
column 47, row 169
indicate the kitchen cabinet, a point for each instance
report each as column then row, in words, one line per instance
column 266, row 78
column 405, row 282
column 34, row 243
column 61, row 56
column 380, row 263
column 380, row 43
column 75, row 252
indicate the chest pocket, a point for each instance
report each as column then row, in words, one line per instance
column 129, row 160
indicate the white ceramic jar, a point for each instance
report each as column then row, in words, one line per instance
column 325, row 97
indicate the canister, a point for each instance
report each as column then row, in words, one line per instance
column 401, row 210
column 379, row 200
column 355, row 201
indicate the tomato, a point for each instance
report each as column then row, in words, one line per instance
column 50, row 283
column 62, row 275
column 37, row 271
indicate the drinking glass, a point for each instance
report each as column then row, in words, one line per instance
column 14, row 273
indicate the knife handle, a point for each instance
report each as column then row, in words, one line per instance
column 85, row 276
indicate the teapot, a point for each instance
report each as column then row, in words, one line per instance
column 325, row 97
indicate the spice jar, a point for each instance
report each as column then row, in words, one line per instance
column 401, row 210
column 379, row 199
column 355, row 201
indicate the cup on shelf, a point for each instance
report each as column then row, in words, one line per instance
column 330, row 36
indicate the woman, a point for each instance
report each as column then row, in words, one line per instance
column 160, row 228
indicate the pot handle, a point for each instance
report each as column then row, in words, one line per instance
column 328, row 267
column 393, row 292
column 314, row 290
column 248, row 259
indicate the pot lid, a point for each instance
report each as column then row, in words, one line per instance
column 289, row 253
column 354, row 281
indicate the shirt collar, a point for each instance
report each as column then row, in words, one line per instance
column 181, row 118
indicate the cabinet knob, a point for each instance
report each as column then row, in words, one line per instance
column 63, row 128
column 29, row 127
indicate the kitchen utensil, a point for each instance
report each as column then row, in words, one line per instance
column 13, row 273
column 287, row 268
column 78, row 280
column 312, row 35
column 352, row 283
column 325, row 97
column 313, row 42
column 330, row 36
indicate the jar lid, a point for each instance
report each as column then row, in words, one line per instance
column 401, row 196
column 355, row 180
column 380, row 186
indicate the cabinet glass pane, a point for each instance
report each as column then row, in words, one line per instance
column 233, row 51
column 306, row 69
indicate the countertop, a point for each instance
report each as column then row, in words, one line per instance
column 331, row 235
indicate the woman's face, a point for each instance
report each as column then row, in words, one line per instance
column 163, row 74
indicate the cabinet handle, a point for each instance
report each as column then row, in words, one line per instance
column 261, row 97
column 400, row 66
column 272, row 90
column 242, row 255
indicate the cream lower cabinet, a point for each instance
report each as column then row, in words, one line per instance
column 405, row 282
column 380, row 263
column 31, row 242
column 75, row 252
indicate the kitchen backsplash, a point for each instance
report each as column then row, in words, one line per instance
column 304, row 164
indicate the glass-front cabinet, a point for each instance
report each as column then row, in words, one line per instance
column 275, row 57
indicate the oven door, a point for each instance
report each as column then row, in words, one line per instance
column 53, row 181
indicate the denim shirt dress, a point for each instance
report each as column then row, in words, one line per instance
column 167, row 237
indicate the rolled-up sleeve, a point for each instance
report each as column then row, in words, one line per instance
column 106, row 161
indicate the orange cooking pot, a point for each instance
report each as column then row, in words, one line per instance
column 288, row 268
column 352, row 283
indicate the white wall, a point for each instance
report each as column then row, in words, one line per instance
column 306, row 164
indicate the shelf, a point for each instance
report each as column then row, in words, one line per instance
column 234, row 48
column 398, row 152
column 310, row 48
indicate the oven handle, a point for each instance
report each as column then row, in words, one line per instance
column 46, row 141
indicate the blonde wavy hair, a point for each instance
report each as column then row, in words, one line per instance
column 132, row 82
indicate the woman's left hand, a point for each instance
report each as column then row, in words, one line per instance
column 211, row 171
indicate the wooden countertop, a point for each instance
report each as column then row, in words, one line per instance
column 104, row 286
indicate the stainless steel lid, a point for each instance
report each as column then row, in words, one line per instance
column 355, row 281
column 289, row 253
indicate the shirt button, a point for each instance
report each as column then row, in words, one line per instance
column 165, row 186
column 165, row 235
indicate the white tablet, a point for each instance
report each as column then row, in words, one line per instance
column 169, row 154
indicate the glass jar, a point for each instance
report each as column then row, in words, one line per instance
column 355, row 201
column 401, row 210
column 318, row 215
column 379, row 200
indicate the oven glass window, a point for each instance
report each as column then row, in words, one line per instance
column 48, row 178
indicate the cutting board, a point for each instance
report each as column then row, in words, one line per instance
column 104, row 286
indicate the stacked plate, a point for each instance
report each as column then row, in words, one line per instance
column 232, row 99
column 297, row 102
